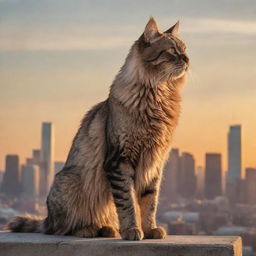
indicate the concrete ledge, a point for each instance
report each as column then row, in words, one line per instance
column 26, row 244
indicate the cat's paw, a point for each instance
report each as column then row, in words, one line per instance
column 108, row 231
column 88, row 232
column 132, row 234
column 156, row 233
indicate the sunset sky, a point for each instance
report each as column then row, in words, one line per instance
column 59, row 57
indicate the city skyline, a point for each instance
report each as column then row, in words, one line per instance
column 55, row 66
column 224, row 154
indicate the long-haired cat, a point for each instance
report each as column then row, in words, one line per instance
column 110, row 182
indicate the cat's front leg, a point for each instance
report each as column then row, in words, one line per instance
column 121, row 178
column 148, row 204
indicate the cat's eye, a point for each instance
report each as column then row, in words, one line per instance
column 171, row 51
column 155, row 58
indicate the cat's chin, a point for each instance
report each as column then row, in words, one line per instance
column 178, row 80
column 179, row 76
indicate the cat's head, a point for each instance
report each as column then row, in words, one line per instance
column 162, row 54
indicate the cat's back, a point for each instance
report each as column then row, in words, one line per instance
column 89, row 143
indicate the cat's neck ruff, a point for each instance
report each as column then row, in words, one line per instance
column 133, row 71
column 134, row 84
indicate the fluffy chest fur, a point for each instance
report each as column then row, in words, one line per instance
column 147, row 117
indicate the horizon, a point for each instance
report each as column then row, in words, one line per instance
column 58, row 59
column 181, row 151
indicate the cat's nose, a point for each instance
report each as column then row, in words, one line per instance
column 185, row 58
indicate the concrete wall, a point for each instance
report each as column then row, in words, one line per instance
column 25, row 244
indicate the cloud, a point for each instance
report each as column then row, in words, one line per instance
column 15, row 37
column 19, row 37
column 220, row 26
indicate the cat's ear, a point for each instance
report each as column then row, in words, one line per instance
column 151, row 31
column 174, row 29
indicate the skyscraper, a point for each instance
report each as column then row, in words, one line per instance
column 37, row 156
column 30, row 180
column 11, row 184
column 187, row 176
column 234, row 154
column 250, row 185
column 234, row 164
column 47, row 158
column 200, row 181
column 1, row 178
column 170, row 179
column 213, row 176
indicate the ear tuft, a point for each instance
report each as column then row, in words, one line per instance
column 151, row 30
column 174, row 29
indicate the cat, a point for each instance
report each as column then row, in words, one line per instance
column 111, row 179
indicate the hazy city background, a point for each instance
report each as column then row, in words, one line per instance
column 58, row 58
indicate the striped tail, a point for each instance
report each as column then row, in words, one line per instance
column 26, row 224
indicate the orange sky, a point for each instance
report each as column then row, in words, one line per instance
column 55, row 65
column 202, row 128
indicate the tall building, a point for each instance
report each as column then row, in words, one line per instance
column 213, row 174
column 234, row 154
column 1, row 178
column 187, row 176
column 30, row 180
column 250, row 185
column 169, row 186
column 11, row 179
column 47, row 158
column 233, row 181
column 30, row 174
column 36, row 155
column 200, row 182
